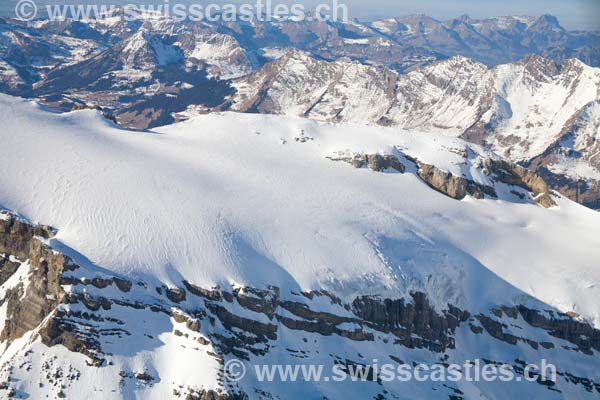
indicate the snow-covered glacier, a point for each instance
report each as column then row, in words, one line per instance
column 276, row 239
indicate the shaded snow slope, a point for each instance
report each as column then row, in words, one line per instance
column 235, row 199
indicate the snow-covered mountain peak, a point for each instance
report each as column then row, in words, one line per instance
column 223, row 53
column 540, row 68
column 143, row 50
column 419, row 22
column 546, row 21
column 524, row 19
column 454, row 66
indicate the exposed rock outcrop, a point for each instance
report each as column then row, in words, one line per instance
column 451, row 185
column 376, row 162
column 513, row 174
column 66, row 308
column 455, row 186
column 45, row 266
column 416, row 323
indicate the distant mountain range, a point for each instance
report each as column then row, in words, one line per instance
column 231, row 49
column 521, row 86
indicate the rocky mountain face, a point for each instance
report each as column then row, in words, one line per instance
column 492, row 41
column 518, row 109
column 28, row 53
column 572, row 162
column 459, row 186
column 74, row 328
column 297, row 84
column 147, row 76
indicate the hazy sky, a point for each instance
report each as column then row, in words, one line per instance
column 572, row 14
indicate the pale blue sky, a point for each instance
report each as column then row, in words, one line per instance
column 572, row 14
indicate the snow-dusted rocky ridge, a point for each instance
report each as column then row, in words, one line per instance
column 520, row 110
column 255, row 237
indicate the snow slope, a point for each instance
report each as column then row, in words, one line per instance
column 517, row 109
column 234, row 199
column 542, row 103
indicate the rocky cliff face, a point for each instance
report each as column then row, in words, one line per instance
column 458, row 186
column 297, row 84
column 97, row 323
column 572, row 162
column 29, row 303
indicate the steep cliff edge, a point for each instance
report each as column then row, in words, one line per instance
column 64, row 309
